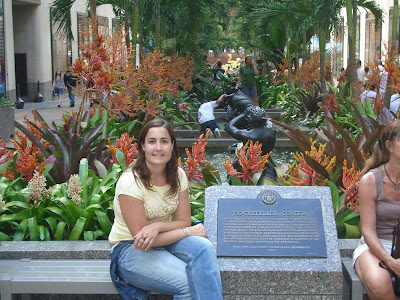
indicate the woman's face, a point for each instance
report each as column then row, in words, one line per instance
column 58, row 72
column 157, row 146
column 394, row 147
column 249, row 60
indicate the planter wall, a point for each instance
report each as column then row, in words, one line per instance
column 7, row 130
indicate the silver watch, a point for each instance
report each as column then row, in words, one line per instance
column 186, row 232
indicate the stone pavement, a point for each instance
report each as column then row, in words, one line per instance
column 48, row 109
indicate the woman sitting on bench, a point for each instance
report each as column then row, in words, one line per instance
column 379, row 191
column 151, row 252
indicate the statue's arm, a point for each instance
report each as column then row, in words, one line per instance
column 231, row 127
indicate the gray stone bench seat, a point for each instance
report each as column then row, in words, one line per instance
column 57, row 276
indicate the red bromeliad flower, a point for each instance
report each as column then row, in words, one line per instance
column 301, row 174
column 350, row 182
column 126, row 146
column 28, row 161
column 195, row 160
column 250, row 159
column 332, row 104
column 183, row 106
column 5, row 154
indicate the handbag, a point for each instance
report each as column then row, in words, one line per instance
column 395, row 253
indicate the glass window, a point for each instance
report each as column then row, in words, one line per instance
column 103, row 25
column 84, row 31
column 373, row 38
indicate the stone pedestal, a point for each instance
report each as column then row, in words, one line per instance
column 273, row 277
column 7, row 130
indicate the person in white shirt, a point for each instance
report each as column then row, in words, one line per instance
column 369, row 93
column 366, row 74
column 360, row 72
column 395, row 104
column 384, row 78
column 206, row 116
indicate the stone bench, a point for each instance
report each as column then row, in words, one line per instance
column 57, row 276
column 353, row 284
column 86, row 252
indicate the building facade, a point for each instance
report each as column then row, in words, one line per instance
column 370, row 40
column 32, row 50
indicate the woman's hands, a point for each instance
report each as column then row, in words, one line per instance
column 394, row 265
column 146, row 236
column 197, row 230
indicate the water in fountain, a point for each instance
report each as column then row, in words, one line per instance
column 217, row 159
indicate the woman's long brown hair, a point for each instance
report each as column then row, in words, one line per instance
column 171, row 169
column 380, row 154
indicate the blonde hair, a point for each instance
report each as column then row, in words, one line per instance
column 381, row 154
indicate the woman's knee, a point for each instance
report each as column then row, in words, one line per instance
column 379, row 289
column 201, row 243
column 378, row 285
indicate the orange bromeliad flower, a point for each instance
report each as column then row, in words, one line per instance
column 250, row 159
column 196, row 159
column 28, row 161
column 126, row 146
column 350, row 182
column 5, row 154
column 332, row 104
column 301, row 174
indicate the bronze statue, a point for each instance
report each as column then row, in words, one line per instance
column 249, row 122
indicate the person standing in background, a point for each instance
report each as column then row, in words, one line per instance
column 247, row 78
column 360, row 72
column 58, row 86
column 70, row 83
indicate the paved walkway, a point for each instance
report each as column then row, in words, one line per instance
column 48, row 109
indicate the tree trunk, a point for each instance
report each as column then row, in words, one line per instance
column 395, row 24
column 135, row 22
column 322, row 49
column 93, row 15
column 304, row 46
column 158, row 25
column 352, row 64
column 393, row 51
column 290, row 75
column 126, row 24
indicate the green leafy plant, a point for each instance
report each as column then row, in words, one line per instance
column 79, row 208
column 343, row 148
column 270, row 95
column 69, row 144
column 178, row 109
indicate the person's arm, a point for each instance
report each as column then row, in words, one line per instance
column 368, row 195
column 220, row 99
column 239, row 134
column 158, row 233
column 255, row 69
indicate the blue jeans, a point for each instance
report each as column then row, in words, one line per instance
column 250, row 91
column 187, row 269
column 71, row 95
column 212, row 124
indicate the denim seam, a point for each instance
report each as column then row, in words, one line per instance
column 191, row 261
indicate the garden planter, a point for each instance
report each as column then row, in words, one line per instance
column 7, row 129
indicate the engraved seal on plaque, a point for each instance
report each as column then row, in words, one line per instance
column 268, row 197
